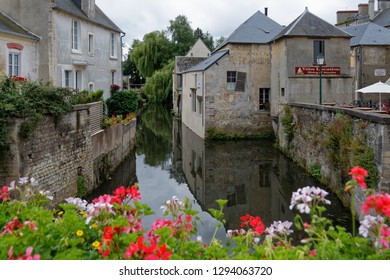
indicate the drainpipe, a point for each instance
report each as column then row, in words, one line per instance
column 121, row 72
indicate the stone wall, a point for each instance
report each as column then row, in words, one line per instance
column 58, row 153
column 309, row 142
column 110, row 148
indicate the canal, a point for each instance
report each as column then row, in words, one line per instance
column 255, row 178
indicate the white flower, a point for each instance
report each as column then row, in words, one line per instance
column 367, row 223
column 23, row 180
column 279, row 227
column 46, row 194
column 199, row 239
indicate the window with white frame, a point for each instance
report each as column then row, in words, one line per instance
column 90, row 44
column 112, row 45
column 231, row 80
column 75, row 35
column 68, row 79
column 193, row 99
column 14, row 64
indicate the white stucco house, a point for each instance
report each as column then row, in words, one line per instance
column 80, row 46
column 18, row 50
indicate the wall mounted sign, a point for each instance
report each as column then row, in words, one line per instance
column 380, row 72
column 315, row 70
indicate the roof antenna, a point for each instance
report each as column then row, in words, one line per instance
column 266, row 11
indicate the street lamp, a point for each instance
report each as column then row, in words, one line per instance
column 320, row 62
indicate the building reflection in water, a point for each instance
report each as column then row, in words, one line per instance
column 252, row 175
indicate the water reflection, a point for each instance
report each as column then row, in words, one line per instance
column 253, row 176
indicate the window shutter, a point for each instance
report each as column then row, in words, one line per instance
column 240, row 83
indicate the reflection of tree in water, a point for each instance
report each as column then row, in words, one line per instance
column 154, row 135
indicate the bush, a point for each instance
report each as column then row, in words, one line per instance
column 110, row 227
column 122, row 102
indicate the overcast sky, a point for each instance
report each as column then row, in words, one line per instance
column 219, row 17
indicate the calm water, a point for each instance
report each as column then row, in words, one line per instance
column 255, row 178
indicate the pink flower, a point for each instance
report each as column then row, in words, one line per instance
column 312, row 253
column 27, row 256
column 4, row 193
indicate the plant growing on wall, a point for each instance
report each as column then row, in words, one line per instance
column 288, row 124
column 30, row 100
column 347, row 149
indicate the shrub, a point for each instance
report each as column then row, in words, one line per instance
column 122, row 102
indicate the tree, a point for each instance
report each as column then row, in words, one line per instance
column 182, row 35
column 206, row 38
column 158, row 88
column 129, row 68
column 152, row 53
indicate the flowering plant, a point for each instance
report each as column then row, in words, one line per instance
column 115, row 119
column 110, row 227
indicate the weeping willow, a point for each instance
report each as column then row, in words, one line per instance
column 158, row 88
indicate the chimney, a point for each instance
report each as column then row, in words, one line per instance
column 266, row 11
column 363, row 10
column 87, row 6
column 371, row 9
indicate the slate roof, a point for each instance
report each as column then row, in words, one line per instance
column 310, row 25
column 205, row 64
column 101, row 18
column 383, row 18
column 368, row 34
column 184, row 63
column 10, row 26
column 258, row 29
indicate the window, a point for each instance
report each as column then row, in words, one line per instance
column 193, row 98
column 78, row 81
column 113, row 77
column 319, row 48
column 231, row 80
column 263, row 98
column 90, row 43
column 179, row 81
column 67, row 78
column 14, row 64
column 112, row 45
column 236, row 80
column 75, row 35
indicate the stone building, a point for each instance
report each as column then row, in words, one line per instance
column 229, row 91
column 196, row 54
column 366, row 12
column 18, row 49
column 238, row 89
column 80, row 46
column 370, row 54
column 294, row 71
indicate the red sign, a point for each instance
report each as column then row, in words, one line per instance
column 315, row 70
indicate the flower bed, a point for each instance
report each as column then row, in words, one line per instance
column 110, row 227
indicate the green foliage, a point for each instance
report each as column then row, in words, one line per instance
column 78, row 231
column 30, row 100
column 152, row 53
column 288, row 124
column 315, row 170
column 158, row 87
column 347, row 149
column 81, row 190
column 122, row 102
